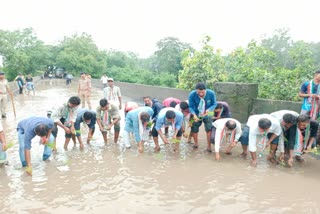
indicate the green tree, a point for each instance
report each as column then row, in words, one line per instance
column 79, row 53
column 169, row 55
column 280, row 43
column 315, row 48
column 22, row 52
column 205, row 65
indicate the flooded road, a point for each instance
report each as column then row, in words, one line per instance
column 110, row 179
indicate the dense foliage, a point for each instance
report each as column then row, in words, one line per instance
column 277, row 63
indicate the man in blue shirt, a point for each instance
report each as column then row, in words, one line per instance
column 168, row 117
column 137, row 122
column 154, row 104
column 83, row 116
column 201, row 102
column 27, row 129
column 311, row 94
column 222, row 110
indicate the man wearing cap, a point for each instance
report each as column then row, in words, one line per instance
column 112, row 93
column 4, row 89
column 84, row 90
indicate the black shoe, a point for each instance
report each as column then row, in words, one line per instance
column 4, row 116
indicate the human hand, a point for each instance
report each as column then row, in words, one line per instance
column 67, row 130
column 165, row 140
column 29, row 170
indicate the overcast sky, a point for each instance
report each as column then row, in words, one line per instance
column 136, row 25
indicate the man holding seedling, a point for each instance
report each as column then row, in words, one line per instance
column 29, row 128
column 168, row 117
column 260, row 131
column 202, row 102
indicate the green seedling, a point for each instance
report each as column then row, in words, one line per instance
column 9, row 145
column 210, row 113
column 282, row 163
column 51, row 145
column 315, row 151
column 29, row 169
column 76, row 132
column 173, row 140
column 149, row 124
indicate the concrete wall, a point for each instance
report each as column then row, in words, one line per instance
column 241, row 97
column 14, row 86
column 261, row 106
column 138, row 91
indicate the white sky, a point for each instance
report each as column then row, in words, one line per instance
column 136, row 25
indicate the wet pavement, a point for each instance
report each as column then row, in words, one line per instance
column 110, row 179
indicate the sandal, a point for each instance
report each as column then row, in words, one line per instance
column 195, row 146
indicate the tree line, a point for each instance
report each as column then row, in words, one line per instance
column 276, row 62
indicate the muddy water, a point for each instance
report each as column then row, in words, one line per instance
column 110, row 179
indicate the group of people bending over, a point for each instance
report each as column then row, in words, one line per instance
column 284, row 131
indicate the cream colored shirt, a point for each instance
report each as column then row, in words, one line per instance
column 85, row 84
column 3, row 86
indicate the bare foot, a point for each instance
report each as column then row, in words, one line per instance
column 140, row 147
column 217, row 156
column 176, row 147
column 157, row 149
column 81, row 146
column 243, row 155
column 290, row 162
column 254, row 163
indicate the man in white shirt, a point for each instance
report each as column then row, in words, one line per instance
column 287, row 120
column 104, row 80
column 112, row 93
column 260, row 131
column 225, row 130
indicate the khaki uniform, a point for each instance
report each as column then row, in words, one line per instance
column 84, row 91
column 3, row 96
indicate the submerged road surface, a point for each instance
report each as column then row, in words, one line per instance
column 109, row 179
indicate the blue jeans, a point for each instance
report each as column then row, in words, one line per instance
column 244, row 139
column 46, row 152
column 3, row 155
